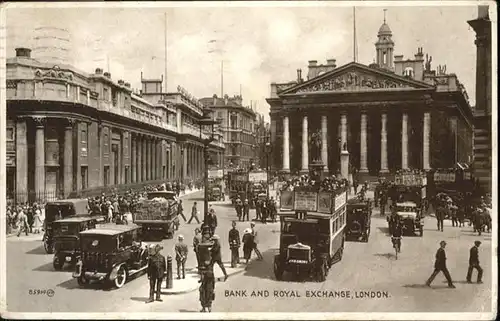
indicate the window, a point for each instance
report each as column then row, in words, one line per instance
column 105, row 94
column 106, row 143
column 10, row 133
column 84, row 175
column 106, row 175
column 83, row 136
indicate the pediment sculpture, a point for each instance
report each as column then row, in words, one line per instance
column 353, row 80
column 55, row 72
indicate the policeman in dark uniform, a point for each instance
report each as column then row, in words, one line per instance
column 234, row 244
column 207, row 277
column 156, row 272
column 474, row 263
column 440, row 265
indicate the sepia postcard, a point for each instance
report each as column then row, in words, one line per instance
column 295, row 160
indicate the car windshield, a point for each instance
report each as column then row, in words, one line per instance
column 99, row 243
column 55, row 212
column 66, row 229
column 305, row 232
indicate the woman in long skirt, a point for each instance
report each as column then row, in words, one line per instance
column 37, row 220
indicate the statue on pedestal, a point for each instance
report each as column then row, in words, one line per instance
column 316, row 142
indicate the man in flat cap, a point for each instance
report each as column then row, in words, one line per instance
column 440, row 265
column 156, row 272
column 474, row 263
column 217, row 255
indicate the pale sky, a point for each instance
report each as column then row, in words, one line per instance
column 259, row 45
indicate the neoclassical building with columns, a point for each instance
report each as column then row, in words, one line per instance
column 69, row 133
column 393, row 114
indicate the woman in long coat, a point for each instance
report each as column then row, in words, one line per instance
column 37, row 220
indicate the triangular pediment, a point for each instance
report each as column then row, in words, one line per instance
column 355, row 77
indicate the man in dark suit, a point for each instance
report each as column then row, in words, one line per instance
column 156, row 272
column 211, row 221
column 234, row 245
column 440, row 265
column 216, row 255
column 474, row 263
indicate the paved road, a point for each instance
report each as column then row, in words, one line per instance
column 30, row 268
column 365, row 267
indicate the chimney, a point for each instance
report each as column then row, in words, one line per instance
column 127, row 85
column 215, row 99
column 299, row 76
column 331, row 63
column 420, row 54
column 98, row 71
column 313, row 63
column 398, row 58
column 107, row 75
column 482, row 12
column 121, row 82
column 23, row 52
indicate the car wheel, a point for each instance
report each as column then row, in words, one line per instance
column 58, row 262
column 278, row 269
column 82, row 280
column 121, row 277
column 48, row 246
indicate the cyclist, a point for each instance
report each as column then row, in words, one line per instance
column 397, row 232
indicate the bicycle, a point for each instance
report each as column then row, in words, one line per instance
column 396, row 244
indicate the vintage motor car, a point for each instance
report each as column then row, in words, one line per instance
column 312, row 232
column 359, row 213
column 61, row 209
column 157, row 214
column 111, row 255
column 215, row 193
column 409, row 215
column 66, row 235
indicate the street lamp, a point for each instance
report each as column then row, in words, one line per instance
column 206, row 121
column 268, row 152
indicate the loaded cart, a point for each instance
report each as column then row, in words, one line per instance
column 312, row 232
column 156, row 215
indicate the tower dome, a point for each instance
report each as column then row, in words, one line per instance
column 384, row 30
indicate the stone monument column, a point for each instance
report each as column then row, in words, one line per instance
column 305, row 145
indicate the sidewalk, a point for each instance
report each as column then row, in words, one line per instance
column 36, row 236
column 190, row 283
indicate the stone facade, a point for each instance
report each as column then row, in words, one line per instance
column 389, row 115
column 482, row 111
column 238, row 126
column 70, row 132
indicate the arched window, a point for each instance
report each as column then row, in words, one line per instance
column 408, row 72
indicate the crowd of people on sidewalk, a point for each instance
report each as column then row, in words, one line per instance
column 29, row 218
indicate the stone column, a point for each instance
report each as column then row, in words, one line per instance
column 286, row 144
column 153, row 159
column 21, row 161
column 150, row 158
column 426, row 141
column 305, row 145
column 383, row 145
column 184, row 163
column 133, row 160
column 144, row 159
column 363, row 145
column 40, row 157
column 404, row 142
column 68, row 157
column 138, row 169
column 324, row 142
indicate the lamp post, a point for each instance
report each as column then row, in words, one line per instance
column 206, row 121
column 268, row 149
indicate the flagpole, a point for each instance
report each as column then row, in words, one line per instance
column 166, row 53
column 354, row 53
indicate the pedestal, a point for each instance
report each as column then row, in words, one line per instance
column 317, row 169
column 344, row 164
